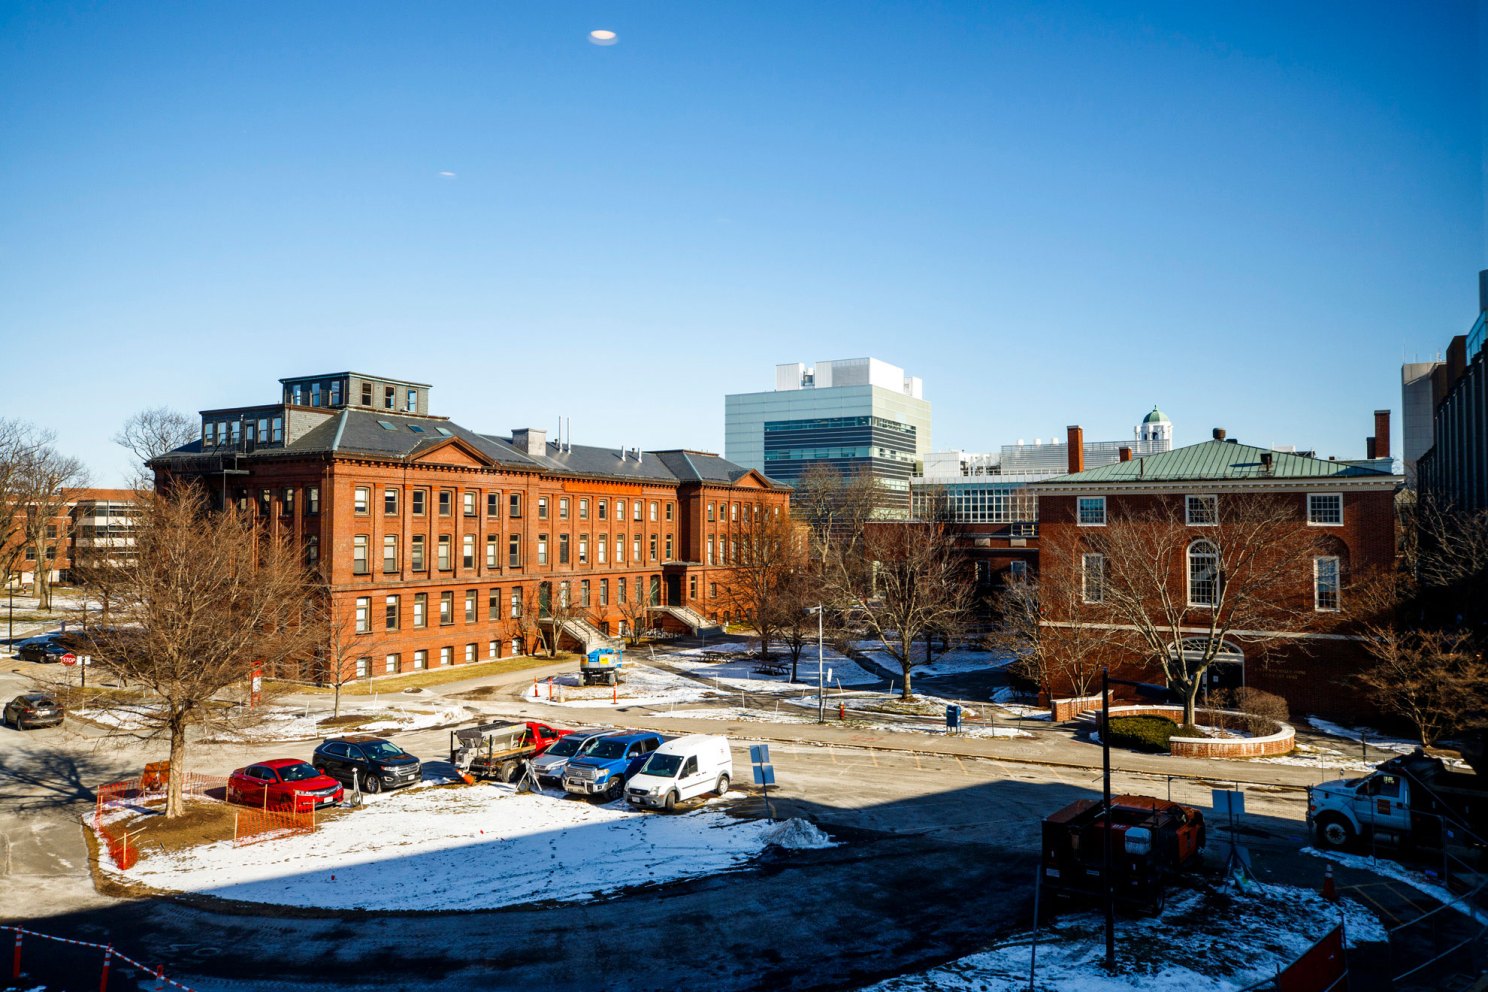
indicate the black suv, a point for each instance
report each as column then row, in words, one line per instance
column 372, row 762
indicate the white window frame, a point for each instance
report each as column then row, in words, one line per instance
column 1311, row 522
column 392, row 663
column 364, row 615
column 1188, row 571
column 1086, row 577
column 1317, row 583
column 1188, row 508
column 1080, row 511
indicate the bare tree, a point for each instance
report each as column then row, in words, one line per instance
column 42, row 481
column 635, row 611
column 344, row 637
column 764, row 549
column 557, row 609
column 920, row 582
column 209, row 596
column 20, row 444
column 1183, row 593
column 1061, row 659
column 526, row 621
column 151, row 433
column 803, row 613
column 1433, row 678
column 836, row 510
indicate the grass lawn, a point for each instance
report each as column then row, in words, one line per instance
column 437, row 676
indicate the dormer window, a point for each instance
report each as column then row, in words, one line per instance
column 389, row 397
column 335, row 392
column 413, row 401
column 366, row 394
column 315, row 394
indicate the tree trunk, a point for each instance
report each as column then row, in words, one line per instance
column 175, row 803
column 929, row 646
column 906, row 645
column 336, row 709
column 1190, row 702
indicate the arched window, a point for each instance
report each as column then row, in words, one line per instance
column 1203, row 574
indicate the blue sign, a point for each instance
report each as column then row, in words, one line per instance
column 764, row 774
column 759, row 754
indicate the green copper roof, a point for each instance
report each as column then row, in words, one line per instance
column 1156, row 417
column 1220, row 460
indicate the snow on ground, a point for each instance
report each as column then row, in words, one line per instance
column 738, row 673
column 1322, row 757
column 1401, row 873
column 641, row 686
column 462, row 847
column 957, row 662
column 798, row 835
column 1208, row 941
column 1371, row 737
column 742, row 713
column 1018, row 711
column 967, row 729
column 296, row 723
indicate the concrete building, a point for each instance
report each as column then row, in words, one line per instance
column 442, row 542
column 1454, row 469
column 856, row 415
column 1415, row 415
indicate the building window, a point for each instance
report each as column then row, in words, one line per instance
column 583, row 549
column 390, row 553
column 391, row 613
column 416, row 556
column 493, row 505
column 619, row 509
column 563, row 598
column 563, row 508
column 602, row 547
column 446, row 608
column 652, row 544
column 312, row 549
column 444, row 553
column 361, row 499
column 467, row 504
column 420, row 609
column 1203, row 574
column 393, row 664
column 584, row 593
column 668, row 548
column 563, row 549
column 516, row 646
column 390, row 502
column 359, row 555
column 1093, row 578
column 312, row 499
column 389, row 397
column 710, row 513
column 492, row 550
column 363, row 667
column 492, row 651
column 692, row 587
column 635, row 548
column 364, row 615
column 734, row 511
column 514, row 552
column 1325, row 509
column 620, row 591
column 710, row 549
column 420, row 660
column 420, row 502
column 472, row 596
column 516, row 603
column 514, row 505
column 278, row 429
column 712, row 590
column 619, row 549
column 669, row 512
column 446, row 503
column 366, row 394
column 1091, row 511
column 1018, row 569
column 604, row 592
column 653, row 511
column 542, row 508
column 1201, row 511
column 583, row 509
column 493, row 603
column 470, row 653
column 635, row 511
column 1325, row 578
column 601, row 506
column 467, row 551
column 542, row 549
column 446, row 656
column 288, row 501
column 412, row 402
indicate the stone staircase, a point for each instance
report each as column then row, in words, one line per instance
column 586, row 634
column 700, row 625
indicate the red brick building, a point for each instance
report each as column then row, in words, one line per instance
column 439, row 541
column 95, row 524
column 1337, row 517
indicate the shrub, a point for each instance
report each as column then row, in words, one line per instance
column 1263, row 710
column 1143, row 733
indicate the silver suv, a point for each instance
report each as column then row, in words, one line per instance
column 548, row 767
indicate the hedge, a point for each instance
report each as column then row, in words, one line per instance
column 1146, row 733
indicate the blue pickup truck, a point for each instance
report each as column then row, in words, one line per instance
column 603, row 769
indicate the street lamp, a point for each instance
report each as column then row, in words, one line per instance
column 821, row 681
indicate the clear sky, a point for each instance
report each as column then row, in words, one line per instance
column 1056, row 213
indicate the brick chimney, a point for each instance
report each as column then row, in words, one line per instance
column 1124, row 453
column 1076, row 448
column 1219, row 433
column 1381, row 434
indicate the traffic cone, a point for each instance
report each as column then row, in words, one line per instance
column 1330, row 890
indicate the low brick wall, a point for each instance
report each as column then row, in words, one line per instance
column 1280, row 742
column 1065, row 710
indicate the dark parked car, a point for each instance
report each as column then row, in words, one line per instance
column 33, row 709
column 42, row 649
column 283, row 784
column 374, row 762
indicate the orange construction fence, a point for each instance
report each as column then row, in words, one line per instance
column 149, row 786
column 250, row 826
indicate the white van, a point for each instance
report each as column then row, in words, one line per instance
column 681, row 769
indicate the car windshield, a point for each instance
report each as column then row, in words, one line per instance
column 298, row 773
column 382, row 750
column 607, row 747
column 665, row 765
column 565, row 746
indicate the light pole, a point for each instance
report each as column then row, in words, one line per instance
column 821, row 682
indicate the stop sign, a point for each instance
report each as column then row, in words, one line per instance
column 69, row 659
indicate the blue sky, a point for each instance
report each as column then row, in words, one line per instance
column 1052, row 213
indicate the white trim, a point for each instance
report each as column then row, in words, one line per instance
column 1188, row 516
column 1337, row 584
column 1188, row 556
column 1307, row 511
column 1103, row 518
column 1100, row 577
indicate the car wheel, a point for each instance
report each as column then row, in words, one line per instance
column 1334, row 832
column 616, row 789
column 20, row 723
column 670, row 802
column 723, row 785
column 371, row 785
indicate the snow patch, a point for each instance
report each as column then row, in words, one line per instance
column 798, row 835
column 1401, row 873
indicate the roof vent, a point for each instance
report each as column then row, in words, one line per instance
column 1219, row 433
column 1267, row 465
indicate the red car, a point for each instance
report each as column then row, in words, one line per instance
column 284, row 784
